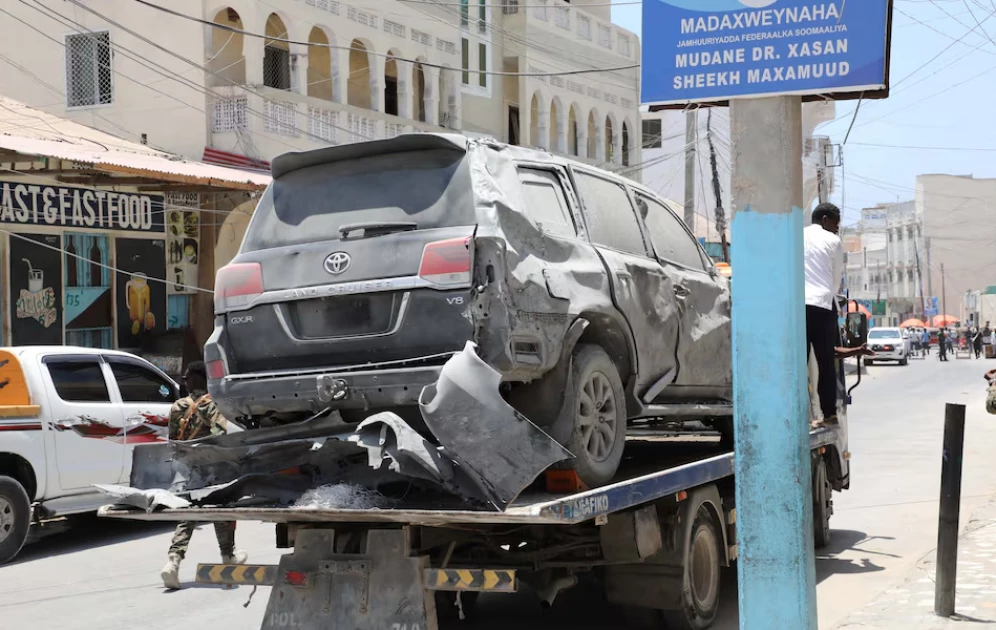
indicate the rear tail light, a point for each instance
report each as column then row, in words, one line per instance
column 237, row 286
column 215, row 370
column 296, row 578
column 446, row 263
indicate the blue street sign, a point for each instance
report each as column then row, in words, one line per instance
column 714, row 50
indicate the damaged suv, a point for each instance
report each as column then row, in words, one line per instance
column 367, row 266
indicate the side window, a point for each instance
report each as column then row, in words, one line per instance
column 138, row 383
column 546, row 202
column 610, row 217
column 78, row 380
column 669, row 236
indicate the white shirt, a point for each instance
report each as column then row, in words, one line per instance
column 823, row 253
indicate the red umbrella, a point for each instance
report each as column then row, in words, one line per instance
column 855, row 307
column 945, row 320
column 913, row 323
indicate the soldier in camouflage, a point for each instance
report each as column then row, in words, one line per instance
column 991, row 395
column 194, row 417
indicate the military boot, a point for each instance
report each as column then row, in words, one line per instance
column 171, row 572
column 238, row 557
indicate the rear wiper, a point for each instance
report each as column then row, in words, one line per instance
column 377, row 228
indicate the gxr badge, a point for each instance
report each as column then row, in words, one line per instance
column 337, row 263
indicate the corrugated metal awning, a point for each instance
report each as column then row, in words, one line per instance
column 29, row 131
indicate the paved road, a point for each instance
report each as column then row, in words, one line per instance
column 104, row 574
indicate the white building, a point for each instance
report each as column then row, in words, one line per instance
column 664, row 157
column 346, row 72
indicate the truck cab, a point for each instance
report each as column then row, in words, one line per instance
column 69, row 419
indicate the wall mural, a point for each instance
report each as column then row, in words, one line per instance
column 183, row 250
column 88, row 312
column 141, row 292
column 36, row 289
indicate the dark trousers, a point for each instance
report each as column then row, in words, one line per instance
column 225, row 532
column 821, row 335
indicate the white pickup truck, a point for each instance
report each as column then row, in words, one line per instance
column 69, row 418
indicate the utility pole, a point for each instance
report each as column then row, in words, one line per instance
column 691, row 131
column 944, row 294
column 776, row 566
column 930, row 271
column 717, row 190
column 821, row 170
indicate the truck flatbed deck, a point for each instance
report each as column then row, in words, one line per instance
column 640, row 480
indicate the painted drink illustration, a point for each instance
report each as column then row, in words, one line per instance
column 36, row 277
column 138, row 299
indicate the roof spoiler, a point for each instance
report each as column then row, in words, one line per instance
column 295, row 160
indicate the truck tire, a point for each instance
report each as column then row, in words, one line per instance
column 15, row 518
column 592, row 421
column 701, row 582
column 822, row 504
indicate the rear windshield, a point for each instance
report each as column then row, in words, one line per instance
column 430, row 188
column 884, row 334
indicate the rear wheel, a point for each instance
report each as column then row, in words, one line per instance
column 701, row 582
column 592, row 421
column 822, row 504
column 15, row 518
column 904, row 361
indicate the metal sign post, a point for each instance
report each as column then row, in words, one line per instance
column 712, row 52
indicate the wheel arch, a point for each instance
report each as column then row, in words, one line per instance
column 704, row 496
column 20, row 469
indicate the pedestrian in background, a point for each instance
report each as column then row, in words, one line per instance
column 977, row 342
column 925, row 338
column 942, row 344
column 823, row 258
column 194, row 417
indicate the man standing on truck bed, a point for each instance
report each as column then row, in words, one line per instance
column 823, row 254
column 190, row 418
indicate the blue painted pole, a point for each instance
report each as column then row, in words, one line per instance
column 776, row 568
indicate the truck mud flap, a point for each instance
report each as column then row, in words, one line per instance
column 498, row 448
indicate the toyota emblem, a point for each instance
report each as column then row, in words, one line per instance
column 337, row 263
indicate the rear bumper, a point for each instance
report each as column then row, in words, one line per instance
column 260, row 394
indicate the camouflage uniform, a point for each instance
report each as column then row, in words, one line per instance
column 991, row 399
column 194, row 417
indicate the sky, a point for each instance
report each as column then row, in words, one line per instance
column 945, row 105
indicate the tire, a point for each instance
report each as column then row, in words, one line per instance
column 15, row 518
column 869, row 362
column 904, row 361
column 592, row 421
column 822, row 504
column 700, row 587
column 447, row 610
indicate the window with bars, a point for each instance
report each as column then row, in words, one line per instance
column 482, row 65
column 510, row 7
column 421, row 37
column 539, row 9
column 604, row 36
column 445, row 46
column 623, row 45
column 88, row 70
column 584, row 27
column 323, row 123
column 394, row 27
column 562, row 17
column 281, row 118
column 230, row 114
column 652, row 134
column 465, row 60
column 276, row 68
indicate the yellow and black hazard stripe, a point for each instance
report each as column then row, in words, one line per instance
column 256, row 575
column 494, row 580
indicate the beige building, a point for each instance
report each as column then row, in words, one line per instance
column 957, row 212
column 282, row 75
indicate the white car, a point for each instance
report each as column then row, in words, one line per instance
column 888, row 344
column 69, row 418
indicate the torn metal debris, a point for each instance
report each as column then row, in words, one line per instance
column 487, row 452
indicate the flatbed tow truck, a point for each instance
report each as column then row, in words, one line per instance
column 656, row 538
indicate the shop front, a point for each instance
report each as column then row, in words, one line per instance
column 104, row 249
